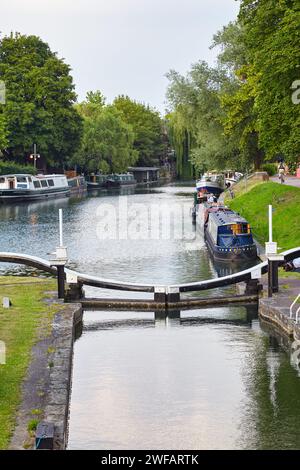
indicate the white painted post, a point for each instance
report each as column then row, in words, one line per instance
column 271, row 247
column 60, row 227
column 270, row 223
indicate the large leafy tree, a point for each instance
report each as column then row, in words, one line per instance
column 272, row 40
column 107, row 143
column 147, row 126
column 240, row 118
column 40, row 101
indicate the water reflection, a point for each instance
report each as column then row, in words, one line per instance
column 200, row 379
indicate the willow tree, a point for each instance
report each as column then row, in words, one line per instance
column 180, row 140
column 196, row 120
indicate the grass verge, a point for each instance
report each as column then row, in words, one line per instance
column 253, row 205
column 28, row 320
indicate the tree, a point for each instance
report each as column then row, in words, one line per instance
column 240, row 119
column 272, row 40
column 107, row 143
column 196, row 119
column 147, row 126
column 3, row 133
column 39, row 101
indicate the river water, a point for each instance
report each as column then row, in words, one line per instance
column 212, row 378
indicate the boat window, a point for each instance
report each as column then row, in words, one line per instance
column 44, row 184
column 36, row 184
column 50, row 182
column 2, row 180
column 238, row 229
column 21, row 179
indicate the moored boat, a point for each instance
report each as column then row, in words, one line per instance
column 211, row 183
column 23, row 187
column 97, row 181
column 77, row 184
column 227, row 234
column 118, row 180
column 232, row 177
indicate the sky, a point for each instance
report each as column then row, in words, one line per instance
column 123, row 46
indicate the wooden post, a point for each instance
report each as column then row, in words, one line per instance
column 173, row 295
column 270, row 278
column 275, row 283
column 60, row 281
column 160, row 295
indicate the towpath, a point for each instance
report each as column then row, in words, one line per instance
column 289, row 180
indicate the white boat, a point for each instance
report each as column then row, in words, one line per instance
column 211, row 183
column 24, row 187
column 232, row 177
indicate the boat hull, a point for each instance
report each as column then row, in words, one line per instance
column 119, row 184
column 210, row 189
column 19, row 195
column 233, row 253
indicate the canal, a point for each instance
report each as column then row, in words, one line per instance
column 202, row 379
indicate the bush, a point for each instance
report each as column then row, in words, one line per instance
column 7, row 168
column 270, row 168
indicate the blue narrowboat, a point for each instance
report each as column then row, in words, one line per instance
column 228, row 235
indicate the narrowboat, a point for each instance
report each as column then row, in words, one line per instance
column 97, row 181
column 227, row 234
column 211, row 183
column 77, row 184
column 118, row 180
column 25, row 187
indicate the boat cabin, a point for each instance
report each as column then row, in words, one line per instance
column 30, row 182
column 227, row 228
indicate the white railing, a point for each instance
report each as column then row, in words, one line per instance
column 298, row 310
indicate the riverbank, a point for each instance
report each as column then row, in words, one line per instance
column 38, row 333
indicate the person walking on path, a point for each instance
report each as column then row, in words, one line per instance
column 281, row 171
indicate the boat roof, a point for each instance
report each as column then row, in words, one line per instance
column 143, row 168
column 15, row 174
column 225, row 216
column 24, row 175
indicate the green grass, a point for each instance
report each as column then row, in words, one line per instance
column 253, row 205
column 19, row 329
column 288, row 275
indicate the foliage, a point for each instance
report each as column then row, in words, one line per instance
column 147, row 126
column 272, row 39
column 7, row 167
column 195, row 123
column 270, row 168
column 39, row 101
column 253, row 205
column 3, row 131
column 107, row 143
column 241, row 112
